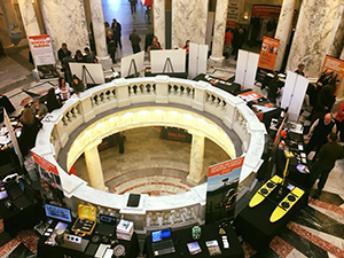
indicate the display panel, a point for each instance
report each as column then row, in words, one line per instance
column 59, row 213
column 160, row 235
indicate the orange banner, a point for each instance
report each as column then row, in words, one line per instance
column 332, row 64
column 43, row 163
column 268, row 53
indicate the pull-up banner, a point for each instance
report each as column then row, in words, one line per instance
column 223, row 179
column 268, row 53
column 42, row 50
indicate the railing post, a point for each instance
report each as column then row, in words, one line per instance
column 62, row 134
column 162, row 88
column 122, row 92
column 230, row 110
column 200, row 95
column 86, row 108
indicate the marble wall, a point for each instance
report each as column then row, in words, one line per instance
column 159, row 20
column 338, row 42
column 315, row 32
column 65, row 22
column 189, row 21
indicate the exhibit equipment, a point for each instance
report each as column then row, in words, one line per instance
column 168, row 61
column 88, row 73
column 246, row 68
column 132, row 65
column 162, row 243
column 86, row 221
column 198, row 59
column 58, row 213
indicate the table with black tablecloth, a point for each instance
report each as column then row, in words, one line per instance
column 209, row 232
column 58, row 251
column 227, row 86
column 254, row 223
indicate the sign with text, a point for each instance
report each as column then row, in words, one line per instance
column 233, row 10
column 42, row 50
column 268, row 53
column 222, row 187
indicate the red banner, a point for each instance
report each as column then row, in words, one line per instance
column 43, row 163
column 268, row 53
column 332, row 64
column 225, row 167
column 270, row 11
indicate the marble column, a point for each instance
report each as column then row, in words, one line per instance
column 159, row 20
column 196, row 159
column 219, row 31
column 284, row 28
column 94, row 167
column 12, row 22
column 315, row 32
column 65, row 22
column 29, row 18
column 189, row 21
column 338, row 41
column 99, row 34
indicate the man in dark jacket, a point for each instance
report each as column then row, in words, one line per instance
column 135, row 41
column 326, row 159
column 63, row 52
column 117, row 32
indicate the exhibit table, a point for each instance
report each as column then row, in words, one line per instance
column 209, row 232
column 254, row 223
column 228, row 86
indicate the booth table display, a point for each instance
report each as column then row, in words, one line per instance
column 230, row 87
column 209, row 232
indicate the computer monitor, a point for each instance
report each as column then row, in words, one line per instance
column 160, row 235
column 58, row 213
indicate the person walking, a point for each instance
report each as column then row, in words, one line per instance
column 133, row 6
column 135, row 41
column 328, row 154
column 117, row 32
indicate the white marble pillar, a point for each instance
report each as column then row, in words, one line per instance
column 94, row 167
column 219, row 31
column 283, row 31
column 65, row 22
column 29, row 18
column 196, row 173
column 337, row 45
column 189, row 21
column 159, row 20
column 12, row 22
column 315, row 31
column 99, row 34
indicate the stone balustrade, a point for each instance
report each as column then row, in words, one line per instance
column 154, row 211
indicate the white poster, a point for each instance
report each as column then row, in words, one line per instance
column 198, row 59
column 132, row 62
column 42, row 50
column 246, row 68
column 90, row 73
column 168, row 61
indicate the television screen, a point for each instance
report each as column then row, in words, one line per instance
column 58, row 213
column 161, row 235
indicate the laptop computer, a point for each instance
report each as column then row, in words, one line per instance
column 162, row 242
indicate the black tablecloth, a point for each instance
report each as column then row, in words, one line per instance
column 209, row 232
column 45, row 251
column 228, row 86
column 175, row 75
column 254, row 225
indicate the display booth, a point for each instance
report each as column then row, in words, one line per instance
column 246, row 69
column 133, row 65
column 198, row 59
column 88, row 73
column 293, row 95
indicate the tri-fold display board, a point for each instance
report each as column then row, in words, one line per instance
column 246, row 69
column 198, row 59
column 133, row 64
column 293, row 94
column 88, row 73
column 168, row 61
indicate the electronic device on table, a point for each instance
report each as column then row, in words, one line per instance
column 58, row 213
column 74, row 242
column 86, row 221
column 162, row 242
column 105, row 229
column 194, row 248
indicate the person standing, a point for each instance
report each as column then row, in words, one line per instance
column 111, row 45
column 63, row 52
column 89, row 56
column 117, row 32
column 300, row 69
column 133, row 6
column 328, row 154
column 135, row 41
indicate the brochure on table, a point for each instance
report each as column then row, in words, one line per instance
column 246, row 69
column 294, row 93
column 222, row 187
column 91, row 73
column 198, row 59
column 132, row 64
column 168, row 61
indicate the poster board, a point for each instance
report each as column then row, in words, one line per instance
column 95, row 72
column 332, row 64
column 222, row 187
column 43, row 56
column 268, row 53
column 128, row 63
column 293, row 94
column 161, row 59
column 198, row 59
column 246, row 69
